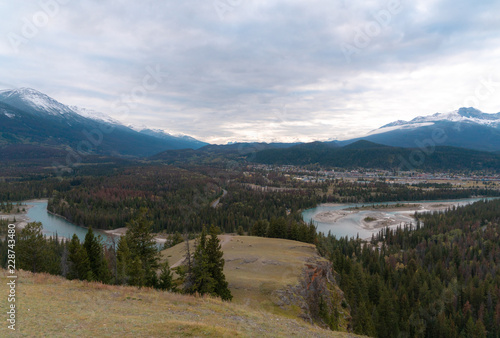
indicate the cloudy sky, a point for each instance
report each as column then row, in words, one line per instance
column 253, row 70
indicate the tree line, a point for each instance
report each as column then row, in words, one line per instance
column 133, row 260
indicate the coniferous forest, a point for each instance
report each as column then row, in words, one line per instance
column 439, row 278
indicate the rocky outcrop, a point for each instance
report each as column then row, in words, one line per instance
column 317, row 297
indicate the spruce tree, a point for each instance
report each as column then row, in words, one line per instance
column 165, row 282
column 98, row 264
column 79, row 265
column 142, row 246
column 122, row 261
column 137, row 273
column 216, row 265
column 32, row 248
column 260, row 228
column 200, row 279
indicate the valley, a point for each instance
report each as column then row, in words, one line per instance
column 234, row 168
column 165, row 233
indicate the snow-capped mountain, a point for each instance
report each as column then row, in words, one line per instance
column 465, row 128
column 35, row 102
column 94, row 115
column 190, row 142
column 469, row 115
column 29, row 116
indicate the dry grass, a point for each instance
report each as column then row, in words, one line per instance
column 256, row 267
column 51, row 306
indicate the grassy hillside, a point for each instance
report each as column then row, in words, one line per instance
column 56, row 307
column 269, row 274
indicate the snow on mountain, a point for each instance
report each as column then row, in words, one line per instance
column 392, row 126
column 34, row 101
column 469, row 115
column 94, row 115
column 38, row 103
column 162, row 134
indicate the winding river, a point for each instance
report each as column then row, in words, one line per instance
column 351, row 225
column 54, row 224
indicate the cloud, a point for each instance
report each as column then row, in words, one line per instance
column 258, row 70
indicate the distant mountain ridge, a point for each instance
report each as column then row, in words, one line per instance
column 366, row 154
column 464, row 128
column 183, row 141
column 461, row 115
column 28, row 116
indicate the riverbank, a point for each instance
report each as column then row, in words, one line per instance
column 118, row 232
column 21, row 218
column 383, row 215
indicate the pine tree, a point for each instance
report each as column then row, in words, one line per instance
column 122, row 261
column 200, row 279
column 32, row 248
column 137, row 273
column 142, row 246
column 260, row 228
column 98, row 264
column 216, row 265
column 79, row 265
column 165, row 282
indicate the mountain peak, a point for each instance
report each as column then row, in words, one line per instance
column 32, row 100
column 476, row 113
column 470, row 114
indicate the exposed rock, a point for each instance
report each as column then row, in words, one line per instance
column 317, row 296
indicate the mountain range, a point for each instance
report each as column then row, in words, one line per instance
column 31, row 118
column 28, row 116
column 465, row 128
column 366, row 154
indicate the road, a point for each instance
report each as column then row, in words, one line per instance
column 216, row 202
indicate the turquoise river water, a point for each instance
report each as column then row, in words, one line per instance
column 351, row 225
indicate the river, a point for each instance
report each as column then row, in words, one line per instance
column 352, row 225
column 54, row 224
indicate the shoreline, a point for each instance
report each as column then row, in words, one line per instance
column 381, row 217
column 118, row 232
column 21, row 218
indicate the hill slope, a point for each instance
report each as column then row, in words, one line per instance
column 365, row 154
column 278, row 276
column 53, row 306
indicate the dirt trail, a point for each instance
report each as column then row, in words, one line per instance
column 224, row 239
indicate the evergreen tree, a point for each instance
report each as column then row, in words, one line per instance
column 207, row 275
column 98, row 264
column 122, row 261
column 79, row 265
column 216, row 265
column 260, row 228
column 142, row 246
column 32, row 248
column 165, row 282
column 200, row 279
column 136, row 273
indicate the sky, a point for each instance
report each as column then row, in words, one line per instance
column 252, row 70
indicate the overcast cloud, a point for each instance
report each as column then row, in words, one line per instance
column 253, row 70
